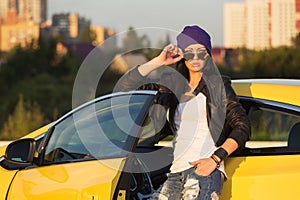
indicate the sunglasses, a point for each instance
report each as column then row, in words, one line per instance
column 202, row 55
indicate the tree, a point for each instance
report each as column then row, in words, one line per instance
column 296, row 41
column 87, row 36
column 164, row 42
column 36, row 73
column 132, row 41
column 25, row 118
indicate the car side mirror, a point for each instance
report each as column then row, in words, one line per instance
column 21, row 151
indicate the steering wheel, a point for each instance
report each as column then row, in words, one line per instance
column 62, row 154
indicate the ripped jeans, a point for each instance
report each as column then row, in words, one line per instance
column 189, row 185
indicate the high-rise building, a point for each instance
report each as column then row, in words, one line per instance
column 104, row 37
column 27, row 10
column 297, row 7
column 70, row 25
column 257, row 24
column 260, row 24
column 21, row 34
column 34, row 10
column 19, row 22
column 283, row 22
column 235, row 31
column 102, row 34
column 4, row 7
column 44, row 10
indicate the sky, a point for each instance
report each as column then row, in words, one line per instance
column 164, row 15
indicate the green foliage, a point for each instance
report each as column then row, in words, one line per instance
column 281, row 62
column 296, row 41
column 133, row 42
column 25, row 118
column 40, row 76
column 87, row 36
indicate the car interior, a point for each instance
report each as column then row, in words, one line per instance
column 294, row 136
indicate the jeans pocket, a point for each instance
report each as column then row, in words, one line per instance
column 199, row 175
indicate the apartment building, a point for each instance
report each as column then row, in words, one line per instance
column 4, row 7
column 261, row 24
column 70, row 25
column 235, row 19
column 104, row 37
column 21, row 34
column 33, row 10
column 19, row 22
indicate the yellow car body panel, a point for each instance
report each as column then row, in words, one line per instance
column 6, row 177
column 275, row 90
column 254, row 177
column 79, row 180
column 2, row 150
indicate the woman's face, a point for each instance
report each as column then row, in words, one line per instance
column 195, row 57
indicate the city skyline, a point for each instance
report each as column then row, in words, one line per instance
column 169, row 15
column 254, row 24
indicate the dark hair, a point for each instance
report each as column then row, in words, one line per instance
column 182, row 69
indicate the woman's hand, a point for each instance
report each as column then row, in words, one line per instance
column 170, row 55
column 204, row 167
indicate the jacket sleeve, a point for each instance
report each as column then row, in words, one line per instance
column 130, row 81
column 169, row 78
column 236, row 117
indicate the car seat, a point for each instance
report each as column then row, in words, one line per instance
column 294, row 136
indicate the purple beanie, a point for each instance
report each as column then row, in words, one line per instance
column 193, row 35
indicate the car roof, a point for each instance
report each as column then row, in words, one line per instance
column 279, row 90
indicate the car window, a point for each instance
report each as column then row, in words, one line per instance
column 147, row 135
column 156, row 125
column 98, row 131
column 271, row 127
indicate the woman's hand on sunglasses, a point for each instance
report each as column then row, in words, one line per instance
column 170, row 55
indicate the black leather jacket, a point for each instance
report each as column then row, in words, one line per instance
column 226, row 117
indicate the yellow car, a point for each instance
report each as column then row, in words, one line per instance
column 110, row 148
column 269, row 166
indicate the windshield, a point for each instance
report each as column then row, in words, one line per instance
column 105, row 129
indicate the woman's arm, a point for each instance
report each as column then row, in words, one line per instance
column 170, row 55
column 136, row 77
column 236, row 118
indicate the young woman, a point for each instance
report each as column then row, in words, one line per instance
column 208, row 120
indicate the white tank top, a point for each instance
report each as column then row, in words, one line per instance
column 192, row 140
